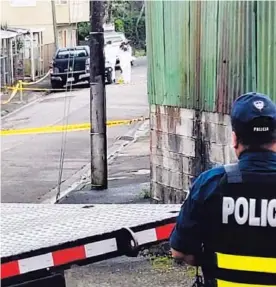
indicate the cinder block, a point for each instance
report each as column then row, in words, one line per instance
column 168, row 110
column 230, row 156
column 156, row 191
column 168, row 160
column 173, row 161
column 215, row 133
column 174, row 143
column 222, row 154
column 173, row 111
column 169, row 178
column 187, row 165
column 217, row 153
column 167, row 124
column 187, row 114
column 153, row 108
column 215, row 118
column 166, row 194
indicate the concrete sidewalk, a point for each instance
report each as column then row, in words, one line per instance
column 129, row 179
column 128, row 175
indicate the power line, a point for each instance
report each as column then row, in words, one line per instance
column 65, row 120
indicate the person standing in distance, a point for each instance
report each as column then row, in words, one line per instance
column 227, row 225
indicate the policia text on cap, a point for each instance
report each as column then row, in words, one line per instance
column 227, row 225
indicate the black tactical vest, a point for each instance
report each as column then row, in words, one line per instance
column 240, row 231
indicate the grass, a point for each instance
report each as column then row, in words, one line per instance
column 161, row 262
column 191, row 271
column 166, row 263
column 145, row 193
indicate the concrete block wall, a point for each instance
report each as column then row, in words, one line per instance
column 217, row 136
column 184, row 143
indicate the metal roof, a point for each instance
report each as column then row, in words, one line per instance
column 7, row 34
column 25, row 30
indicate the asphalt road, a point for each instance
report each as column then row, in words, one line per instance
column 30, row 163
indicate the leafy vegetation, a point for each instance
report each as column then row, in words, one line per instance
column 83, row 30
column 128, row 17
column 161, row 262
column 145, row 194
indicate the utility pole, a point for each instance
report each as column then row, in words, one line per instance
column 97, row 98
column 53, row 3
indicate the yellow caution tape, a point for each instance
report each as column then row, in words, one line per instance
column 57, row 129
column 15, row 89
column 38, row 81
column 35, row 89
column 120, row 81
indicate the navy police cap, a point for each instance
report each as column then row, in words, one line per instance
column 254, row 113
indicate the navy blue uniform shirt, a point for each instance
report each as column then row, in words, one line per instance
column 186, row 237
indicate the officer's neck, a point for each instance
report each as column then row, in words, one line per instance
column 267, row 147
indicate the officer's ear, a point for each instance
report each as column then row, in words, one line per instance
column 235, row 142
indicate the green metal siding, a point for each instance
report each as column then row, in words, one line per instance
column 236, row 53
column 203, row 55
column 164, row 73
column 266, row 47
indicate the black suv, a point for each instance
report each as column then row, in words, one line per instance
column 70, row 64
column 73, row 65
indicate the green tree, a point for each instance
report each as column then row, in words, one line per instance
column 83, row 30
column 119, row 25
column 127, row 16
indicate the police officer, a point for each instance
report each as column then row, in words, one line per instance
column 227, row 225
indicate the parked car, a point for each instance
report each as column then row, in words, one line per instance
column 70, row 65
column 73, row 65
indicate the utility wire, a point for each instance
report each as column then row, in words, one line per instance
column 66, row 113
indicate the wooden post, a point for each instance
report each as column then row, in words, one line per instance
column 97, row 98
column 54, row 19
column 21, row 91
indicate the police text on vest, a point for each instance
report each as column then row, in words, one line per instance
column 243, row 210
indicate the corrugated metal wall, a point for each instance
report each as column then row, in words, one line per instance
column 266, row 47
column 204, row 54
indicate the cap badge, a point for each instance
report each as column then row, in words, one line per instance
column 259, row 105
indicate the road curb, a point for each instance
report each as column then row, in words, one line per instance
column 79, row 179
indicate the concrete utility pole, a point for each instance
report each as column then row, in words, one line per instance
column 54, row 16
column 97, row 97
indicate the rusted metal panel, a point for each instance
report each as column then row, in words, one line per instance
column 236, row 52
column 203, row 54
column 208, row 54
column 266, row 47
